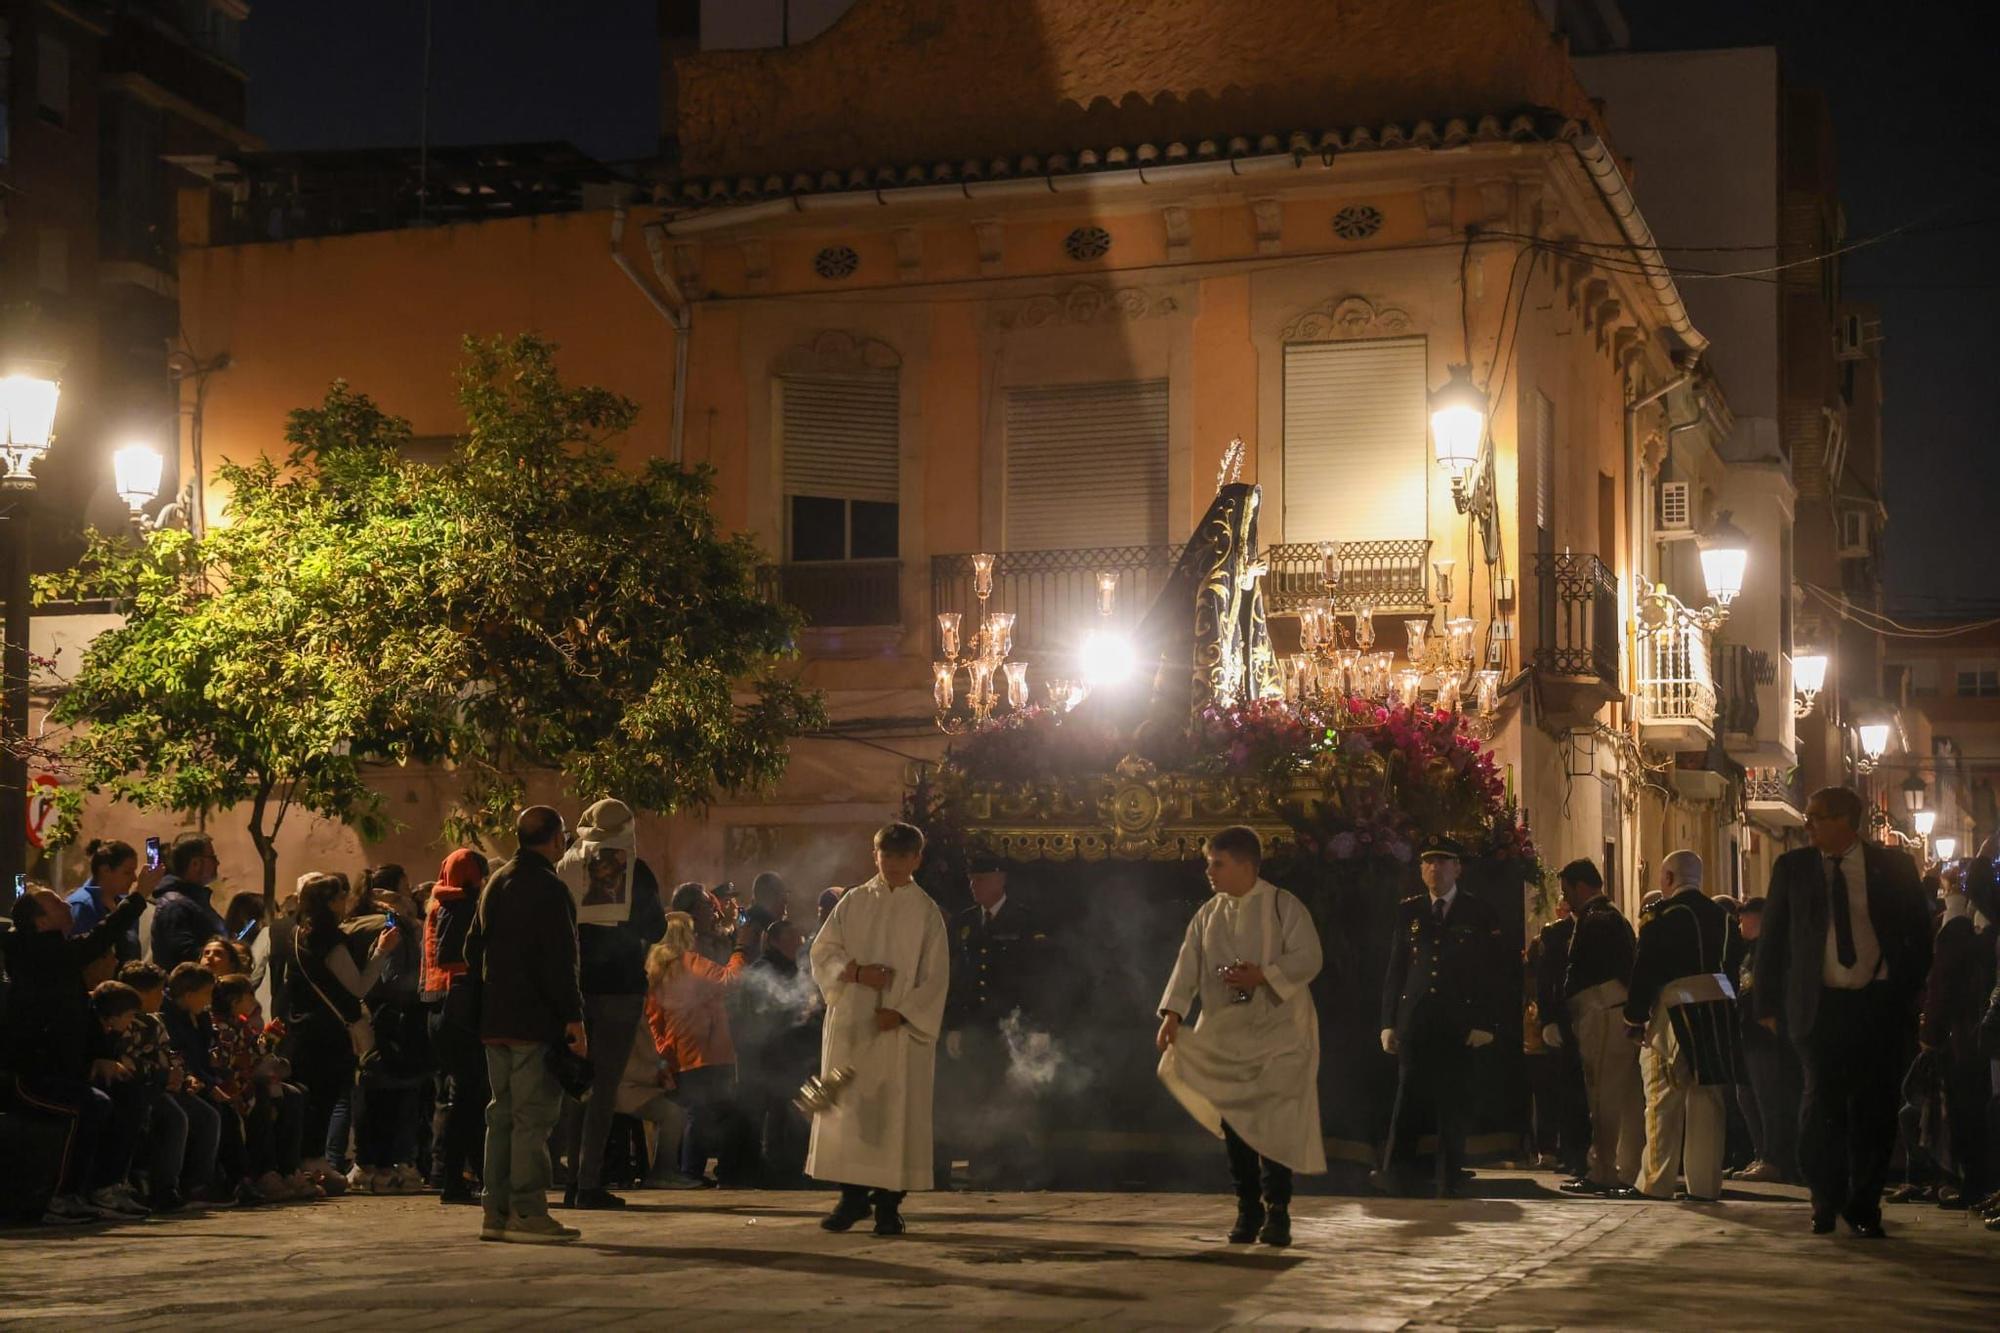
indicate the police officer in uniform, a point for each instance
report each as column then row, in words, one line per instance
column 996, row 944
column 1441, row 1000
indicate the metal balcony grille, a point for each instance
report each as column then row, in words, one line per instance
column 843, row 594
column 1676, row 683
column 1577, row 624
column 1387, row 575
column 1053, row 594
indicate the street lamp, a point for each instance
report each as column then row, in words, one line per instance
column 1725, row 555
column 135, row 472
column 1874, row 744
column 27, row 424
column 1946, row 848
column 1913, row 793
column 1808, row 679
column 1925, row 821
column 1458, row 428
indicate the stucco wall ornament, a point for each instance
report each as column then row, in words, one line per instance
column 1348, row 317
column 1085, row 303
column 838, row 352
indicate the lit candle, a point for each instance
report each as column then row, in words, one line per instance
column 1364, row 626
column 1329, row 563
column 1418, row 630
column 942, row 688
column 948, row 633
column 982, row 576
column 1107, row 591
column 1017, row 684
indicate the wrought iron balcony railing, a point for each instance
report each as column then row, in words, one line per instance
column 839, row 594
column 1739, row 670
column 1775, row 795
column 1577, row 619
column 1675, row 680
column 1053, row 594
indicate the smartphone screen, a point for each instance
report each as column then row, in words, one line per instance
column 152, row 853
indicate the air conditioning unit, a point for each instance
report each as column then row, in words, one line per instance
column 1848, row 339
column 1676, row 511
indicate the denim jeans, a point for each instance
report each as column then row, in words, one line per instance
column 526, row 1102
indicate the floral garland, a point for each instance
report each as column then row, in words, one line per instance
column 1388, row 780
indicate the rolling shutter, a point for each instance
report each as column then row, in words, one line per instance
column 840, row 436
column 1087, row 465
column 1356, row 441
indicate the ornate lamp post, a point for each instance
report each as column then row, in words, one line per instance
column 27, row 424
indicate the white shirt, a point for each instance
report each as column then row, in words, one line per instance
column 994, row 910
column 1868, row 964
column 1449, row 897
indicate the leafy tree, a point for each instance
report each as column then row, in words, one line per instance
column 527, row 605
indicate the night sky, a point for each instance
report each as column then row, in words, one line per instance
column 1909, row 87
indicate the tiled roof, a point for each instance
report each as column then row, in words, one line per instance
column 1424, row 134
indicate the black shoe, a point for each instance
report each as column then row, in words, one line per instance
column 1277, row 1226
column 888, row 1220
column 1249, row 1219
column 1582, row 1187
column 1387, row 1183
column 843, row 1216
column 1622, row 1192
column 168, row 1200
column 1867, row 1230
column 600, row 1200
column 461, row 1196
column 569, row 1197
column 1682, row 1196
column 1821, row 1226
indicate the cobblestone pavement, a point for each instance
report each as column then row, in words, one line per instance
column 1520, row 1257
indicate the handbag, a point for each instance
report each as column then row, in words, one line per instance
column 572, row 1072
column 360, row 1032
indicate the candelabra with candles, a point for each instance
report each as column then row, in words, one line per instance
column 1335, row 663
column 991, row 679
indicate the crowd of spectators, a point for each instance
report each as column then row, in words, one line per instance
column 166, row 1046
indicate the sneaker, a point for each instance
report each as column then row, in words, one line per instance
column 126, row 1195
column 543, row 1230
column 249, row 1196
column 68, row 1210
column 322, row 1173
column 600, row 1199
column 358, row 1180
column 493, row 1227
column 1762, row 1172
column 110, row 1202
column 301, row 1185
column 274, row 1187
column 167, row 1201
column 461, row 1195
column 411, row 1179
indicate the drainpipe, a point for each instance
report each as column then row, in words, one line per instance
column 1595, row 157
column 673, row 308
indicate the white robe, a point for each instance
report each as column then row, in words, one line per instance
column 1256, row 1063
column 878, row 1133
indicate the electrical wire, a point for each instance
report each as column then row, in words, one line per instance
column 1861, row 615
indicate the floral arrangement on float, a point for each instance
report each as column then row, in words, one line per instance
column 1355, row 780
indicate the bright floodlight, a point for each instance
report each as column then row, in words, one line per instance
column 1458, row 422
column 1926, row 821
column 1106, row 658
column 135, row 470
column 1946, row 848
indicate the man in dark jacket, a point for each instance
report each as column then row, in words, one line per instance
column 526, row 954
column 776, row 1020
column 183, row 918
column 998, row 952
column 1961, row 981
column 1441, row 1000
column 1682, row 939
column 1593, row 990
column 1845, row 949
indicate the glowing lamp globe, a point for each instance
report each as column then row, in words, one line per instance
column 135, row 471
column 27, row 420
column 1947, row 848
column 1875, row 740
column 1725, row 555
column 1925, row 820
column 1809, row 672
column 1458, row 422
column 1106, row 658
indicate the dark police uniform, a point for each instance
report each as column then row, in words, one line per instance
column 996, row 973
column 1445, row 981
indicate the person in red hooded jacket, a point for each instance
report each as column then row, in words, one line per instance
column 459, row 1122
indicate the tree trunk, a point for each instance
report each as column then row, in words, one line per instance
column 267, row 849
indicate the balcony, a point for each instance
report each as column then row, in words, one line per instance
column 838, row 594
column 1576, row 643
column 1775, row 797
column 1053, row 594
column 1739, row 672
column 1675, row 686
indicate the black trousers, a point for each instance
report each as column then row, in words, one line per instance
column 1770, row 1098
column 1847, row 1124
column 323, row 1066
column 458, row 1126
column 1432, row 1084
column 1256, row 1176
column 1968, row 1091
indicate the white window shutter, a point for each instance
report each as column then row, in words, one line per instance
column 1356, row 441
column 1087, row 465
column 840, row 436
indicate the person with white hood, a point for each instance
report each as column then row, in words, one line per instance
column 883, row 962
column 1248, row 1070
column 618, row 917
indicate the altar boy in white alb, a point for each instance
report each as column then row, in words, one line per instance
column 882, row 960
column 1248, row 1069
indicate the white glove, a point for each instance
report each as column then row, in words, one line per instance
column 1552, row 1036
column 1389, row 1042
column 954, row 1044
column 1475, row 1039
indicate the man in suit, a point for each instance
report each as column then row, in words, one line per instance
column 998, row 946
column 1441, row 1000
column 1845, row 949
column 1593, row 991
column 1681, row 943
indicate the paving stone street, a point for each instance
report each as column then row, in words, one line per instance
column 1521, row 1256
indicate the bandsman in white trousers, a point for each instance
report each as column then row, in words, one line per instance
column 1595, row 988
